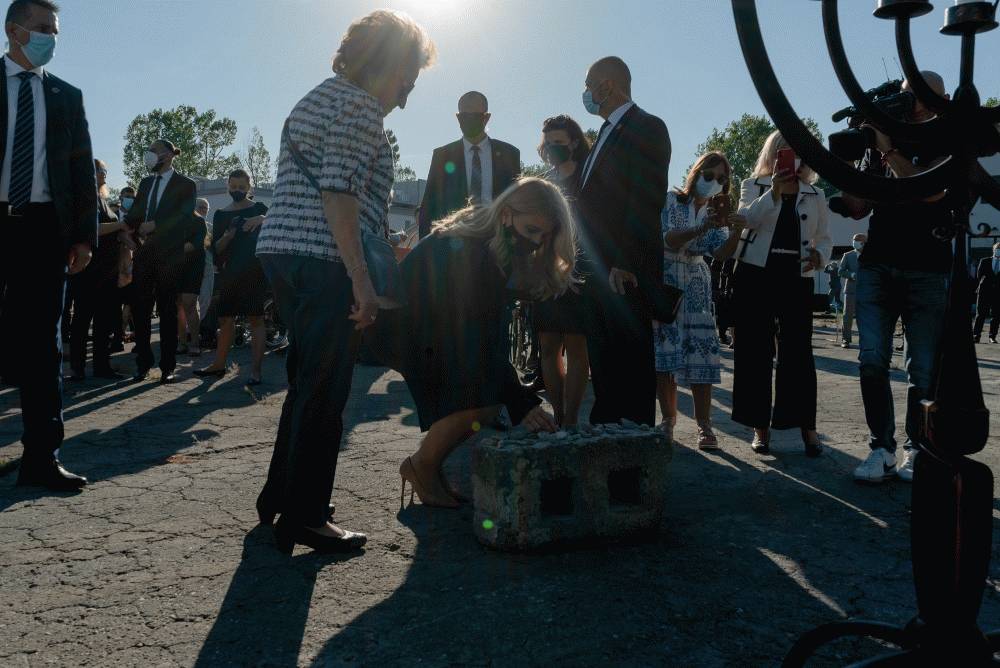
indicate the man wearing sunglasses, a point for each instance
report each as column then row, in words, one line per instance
column 475, row 169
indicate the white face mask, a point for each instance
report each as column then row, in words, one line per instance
column 858, row 245
column 151, row 160
column 707, row 188
column 798, row 163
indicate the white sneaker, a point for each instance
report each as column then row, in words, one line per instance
column 879, row 467
column 905, row 471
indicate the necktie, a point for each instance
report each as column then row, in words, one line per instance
column 593, row 153
column 996, row 266
column 22, row 164
column 153, row 202
column 476, row 177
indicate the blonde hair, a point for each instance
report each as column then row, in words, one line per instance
column 380, row 45
column 553, row 264
column 769, row 153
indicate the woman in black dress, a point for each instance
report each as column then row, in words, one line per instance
column 242, row 285
column 192, row 275
column 450, row 339
column 560, row 322
column 96, row 295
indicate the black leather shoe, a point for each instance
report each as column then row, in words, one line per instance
column 140, row 375
column 78, row 377
column 168, row 378
column 51, row 475
column 110, row 374
column 287, row 536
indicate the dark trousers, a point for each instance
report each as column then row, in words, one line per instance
column 987, row 306
column 314, row 300
column 32, row 290
column 622, row 364
column 774, row 317
column 96, row 300
column 156, row 277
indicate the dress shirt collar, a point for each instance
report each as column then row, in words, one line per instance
column 166, row 175
column 617, row 114
column 484, row 145
column 13, row 69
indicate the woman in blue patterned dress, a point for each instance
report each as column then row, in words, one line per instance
column 687, row 350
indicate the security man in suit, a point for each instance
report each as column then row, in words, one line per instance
column 623, row 188
column 476, row 168
column 162, row 216
column 988, row 294
column 48, row 211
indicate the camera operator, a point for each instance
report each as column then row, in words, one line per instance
column 903, row 273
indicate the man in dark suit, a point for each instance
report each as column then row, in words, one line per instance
column 161, row 215
column 48, row 213
column 475, row 168
column 623, row 187
column 988, row 294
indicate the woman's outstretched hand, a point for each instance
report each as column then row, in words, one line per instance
column 539, row 420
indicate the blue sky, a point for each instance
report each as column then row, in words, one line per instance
column 252, row 60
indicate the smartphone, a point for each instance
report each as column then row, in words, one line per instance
column 786, row 161
column 721, row 206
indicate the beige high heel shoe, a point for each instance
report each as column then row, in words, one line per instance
column 408, row 473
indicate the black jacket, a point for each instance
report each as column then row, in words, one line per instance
column 987, row 280
column 72, row 182
column 172, row 216
column 620, row 203
column 447, row 187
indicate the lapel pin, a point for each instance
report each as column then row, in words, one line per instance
column 55, row 90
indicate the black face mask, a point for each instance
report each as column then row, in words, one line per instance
column 237, row 195
column 523, row 246
column 472, row 123
column 558, row 153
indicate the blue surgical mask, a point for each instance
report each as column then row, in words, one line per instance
column 127, row 202
column 858, row 245
column 589, row 104
column 40, row 47
column 996, row 253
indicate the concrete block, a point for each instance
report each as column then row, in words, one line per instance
column 591, row 484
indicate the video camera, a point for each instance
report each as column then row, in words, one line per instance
column 851, row 144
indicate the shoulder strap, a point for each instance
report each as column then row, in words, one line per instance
column 298, row 158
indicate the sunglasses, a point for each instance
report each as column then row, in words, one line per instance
column 708, row 175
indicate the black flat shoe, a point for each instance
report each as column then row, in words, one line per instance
column 266, row 517
column 109, row 374
column 253, row 382
column 78, row 377
column 168, row 378
column 761, row 446
column 286, row 537
column 814, row 448
column 210, row 373
column 51, row 475
column 140, row 375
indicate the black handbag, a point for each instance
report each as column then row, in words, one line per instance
column 661, row 301
column 380, row 256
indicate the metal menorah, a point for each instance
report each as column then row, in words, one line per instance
column 952, row 506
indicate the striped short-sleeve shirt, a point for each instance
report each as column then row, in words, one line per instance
column 338, row 128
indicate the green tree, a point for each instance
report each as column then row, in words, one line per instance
column 256, row 160
column 993, row 102
column 401, row 172
column 203, row 138
column 741, row 141
column 534, row 169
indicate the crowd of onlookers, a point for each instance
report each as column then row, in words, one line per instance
column 612, row 260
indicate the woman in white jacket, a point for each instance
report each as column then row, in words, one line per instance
column 785, row 242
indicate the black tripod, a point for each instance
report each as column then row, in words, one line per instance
column 951, row 532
